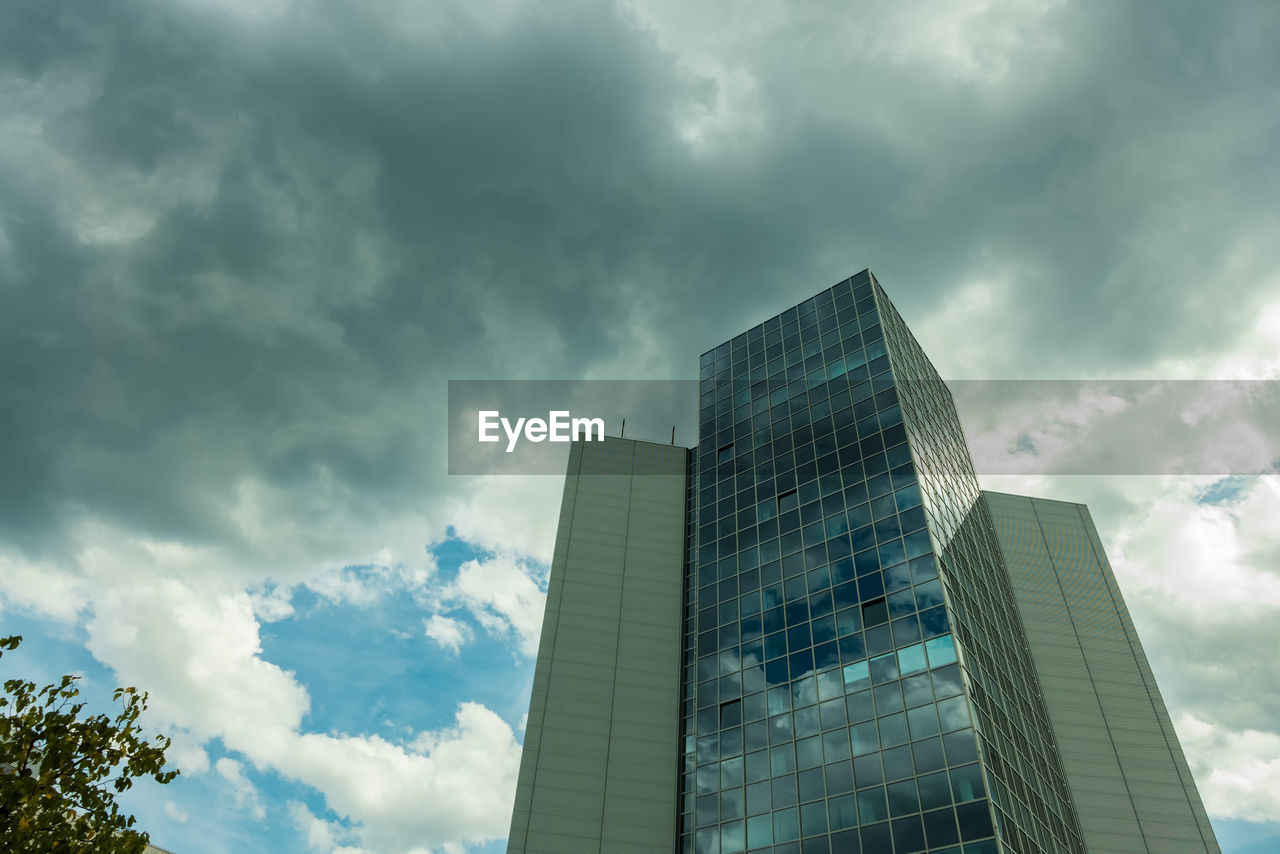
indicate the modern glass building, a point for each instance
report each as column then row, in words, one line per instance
column 801, row 637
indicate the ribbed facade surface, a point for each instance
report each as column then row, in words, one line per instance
column 1128, row 777
column 598, row 769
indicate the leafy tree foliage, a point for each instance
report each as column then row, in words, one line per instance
column 59, row 774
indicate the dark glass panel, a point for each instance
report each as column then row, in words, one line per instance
column 877, row 837
column 940, row 828
column 839, row 778
column 974, row 820
column 908, row 835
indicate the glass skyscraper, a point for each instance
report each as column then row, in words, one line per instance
column 832, row 656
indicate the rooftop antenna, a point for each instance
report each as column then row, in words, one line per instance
column 623, row 435
column 673, row 434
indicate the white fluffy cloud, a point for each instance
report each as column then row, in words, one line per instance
column 363, row 584
column 42, row 587
column 321, row 835
column 1204, row 562
column 177, row 622
column 242, row 788
column 448, row 633
column 199, row 655
column 502, row 594
column 1238, row 771
column 446, row 787
column 495, row 515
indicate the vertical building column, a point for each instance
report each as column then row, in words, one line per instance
column 1125, row 768
column 598, row 770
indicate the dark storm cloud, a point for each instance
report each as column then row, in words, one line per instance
column 346, row 211
column 1122, row 159
column 238, row 337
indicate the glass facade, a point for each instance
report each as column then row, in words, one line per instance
column 1023, row 768
column 854, row 677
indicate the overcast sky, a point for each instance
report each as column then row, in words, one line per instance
column 245, row 243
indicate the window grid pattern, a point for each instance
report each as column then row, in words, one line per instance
column 823, row 705
column 1024, row 771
